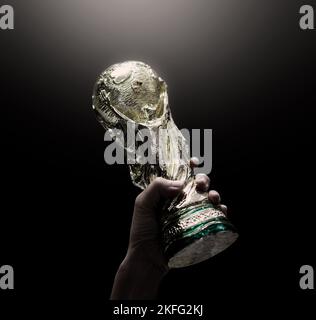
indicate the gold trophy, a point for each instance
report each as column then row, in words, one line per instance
column 131, row 96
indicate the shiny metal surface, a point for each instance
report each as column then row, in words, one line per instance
column 131, row 92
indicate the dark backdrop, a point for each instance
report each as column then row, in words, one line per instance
column 242, row 68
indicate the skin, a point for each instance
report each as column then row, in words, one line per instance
column 144, row 266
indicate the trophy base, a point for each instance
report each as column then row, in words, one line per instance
column 203, row 248
column 193, row 230
column 201, row 242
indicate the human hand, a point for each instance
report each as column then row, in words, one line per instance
column 145, row 265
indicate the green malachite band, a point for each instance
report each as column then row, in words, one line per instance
column 189, row 220
column 191, row 223
column 183, row 213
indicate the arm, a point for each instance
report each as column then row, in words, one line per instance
column 144, row 266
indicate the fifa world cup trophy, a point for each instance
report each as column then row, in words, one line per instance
column 131, row 96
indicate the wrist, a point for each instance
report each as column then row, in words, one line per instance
column 138, row 277
column 149, row 257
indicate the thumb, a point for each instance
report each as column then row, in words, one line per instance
column 158, row 190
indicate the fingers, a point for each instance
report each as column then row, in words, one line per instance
column 194, row 162
column 214, row 197
column 159, row 189
column 162, row 188
column 201, row 179
column 223, row 208
column 202, row 182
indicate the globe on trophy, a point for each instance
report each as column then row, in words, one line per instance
column 131, row 96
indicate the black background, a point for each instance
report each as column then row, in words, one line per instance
column 242, row 68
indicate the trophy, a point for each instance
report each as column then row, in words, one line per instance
column 131, row 96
